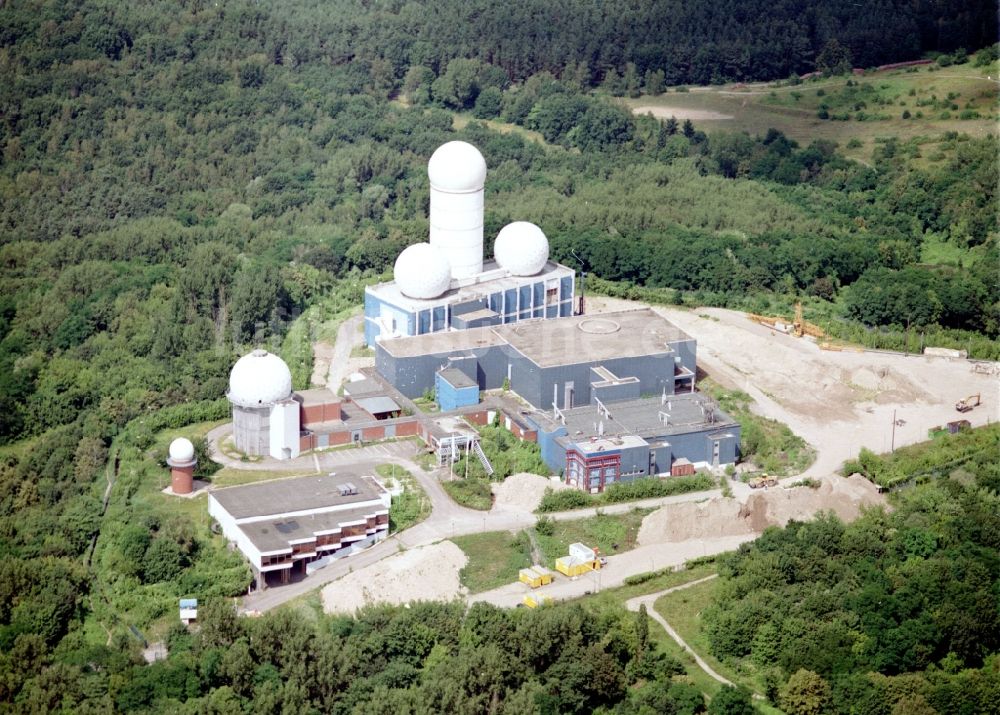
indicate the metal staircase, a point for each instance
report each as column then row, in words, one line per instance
column 477, row 448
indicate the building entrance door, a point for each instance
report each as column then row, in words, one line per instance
column 715, row 453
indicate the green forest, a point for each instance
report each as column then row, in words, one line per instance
column 183, row 180
column 894, row 613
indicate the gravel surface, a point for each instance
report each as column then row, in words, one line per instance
column 427, row 573
column 836, row 401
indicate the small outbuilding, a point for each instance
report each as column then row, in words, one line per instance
column 454, row 389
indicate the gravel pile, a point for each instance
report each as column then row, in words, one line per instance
column 523, row 491
column 773, row 507
column 427, row 573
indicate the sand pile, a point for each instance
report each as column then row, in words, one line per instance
column 773, row 507
column 523, row 491
column 427, row 573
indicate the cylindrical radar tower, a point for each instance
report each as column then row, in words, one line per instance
column 457, row 173
column 181, row 461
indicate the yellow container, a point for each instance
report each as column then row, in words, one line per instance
column 531, row 577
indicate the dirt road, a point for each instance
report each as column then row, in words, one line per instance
column 648, row 600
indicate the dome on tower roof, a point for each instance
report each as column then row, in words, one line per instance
column 521, row 248
column 259, row 379
column 457, row 166
column 422, row 271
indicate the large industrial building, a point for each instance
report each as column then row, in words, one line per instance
column 445, row 284
column 609, row 397
column 281, row 526
column 612, row 395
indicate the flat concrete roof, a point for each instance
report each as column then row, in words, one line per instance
column 556, row 341
column 274, row 535
column 456, row 378
column 492, row 280
column 317, row 396
column 377, row 404
column 592, row 338
column 641, row 418
column 363, row 388
column 610, row 444
column 451, row 341
column 284, row 496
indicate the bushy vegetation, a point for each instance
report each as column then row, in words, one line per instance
column 647, row 488
column 966, row 451
column 428, row 657
column 507, row 454
column 409, row 507
column 898, row 607
column 768, row 444
column 472, row 493
column 181, row 182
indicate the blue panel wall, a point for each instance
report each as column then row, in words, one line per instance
column 372, row 310
column 553, row 453
column 451, row 398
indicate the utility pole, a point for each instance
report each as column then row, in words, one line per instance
column 892, row 447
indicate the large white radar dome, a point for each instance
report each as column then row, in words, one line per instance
column 259, row 379
column 457, row 166
column 181, row 450
column 521, row 248
column 422, row 271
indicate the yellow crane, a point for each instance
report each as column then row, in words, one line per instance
column 799, row 327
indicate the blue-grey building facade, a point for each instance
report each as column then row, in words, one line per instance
column 493, row 298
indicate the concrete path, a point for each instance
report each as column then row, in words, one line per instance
column 348, row 337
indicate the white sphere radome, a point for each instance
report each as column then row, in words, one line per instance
column 259, row 379
column 521, row 248
column 181, row 450
column 422, row 271
column 457, row 166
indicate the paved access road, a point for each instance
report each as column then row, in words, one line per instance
column 448, row 519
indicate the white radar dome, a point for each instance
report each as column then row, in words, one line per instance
column 521, row 248
column 422, row 271
column 457, row 167
column 259, row 379
column 181, row 450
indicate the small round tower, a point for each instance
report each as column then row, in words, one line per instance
column 181, row 460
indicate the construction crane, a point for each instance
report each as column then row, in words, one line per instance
column 799, row 326
column 968, row 403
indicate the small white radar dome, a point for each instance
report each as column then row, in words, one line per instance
column 422, row 271
column 457, row 167
column 181, row 450
column 521, row 248
column 259, row 379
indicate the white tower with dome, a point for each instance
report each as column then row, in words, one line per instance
column 265, row 417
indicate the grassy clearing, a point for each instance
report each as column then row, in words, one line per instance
column 795, row 110
column 411, row 506
column 610, row 534
column 462, row 119
column 232, row 477
column 682, row 610
column 494, row 559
